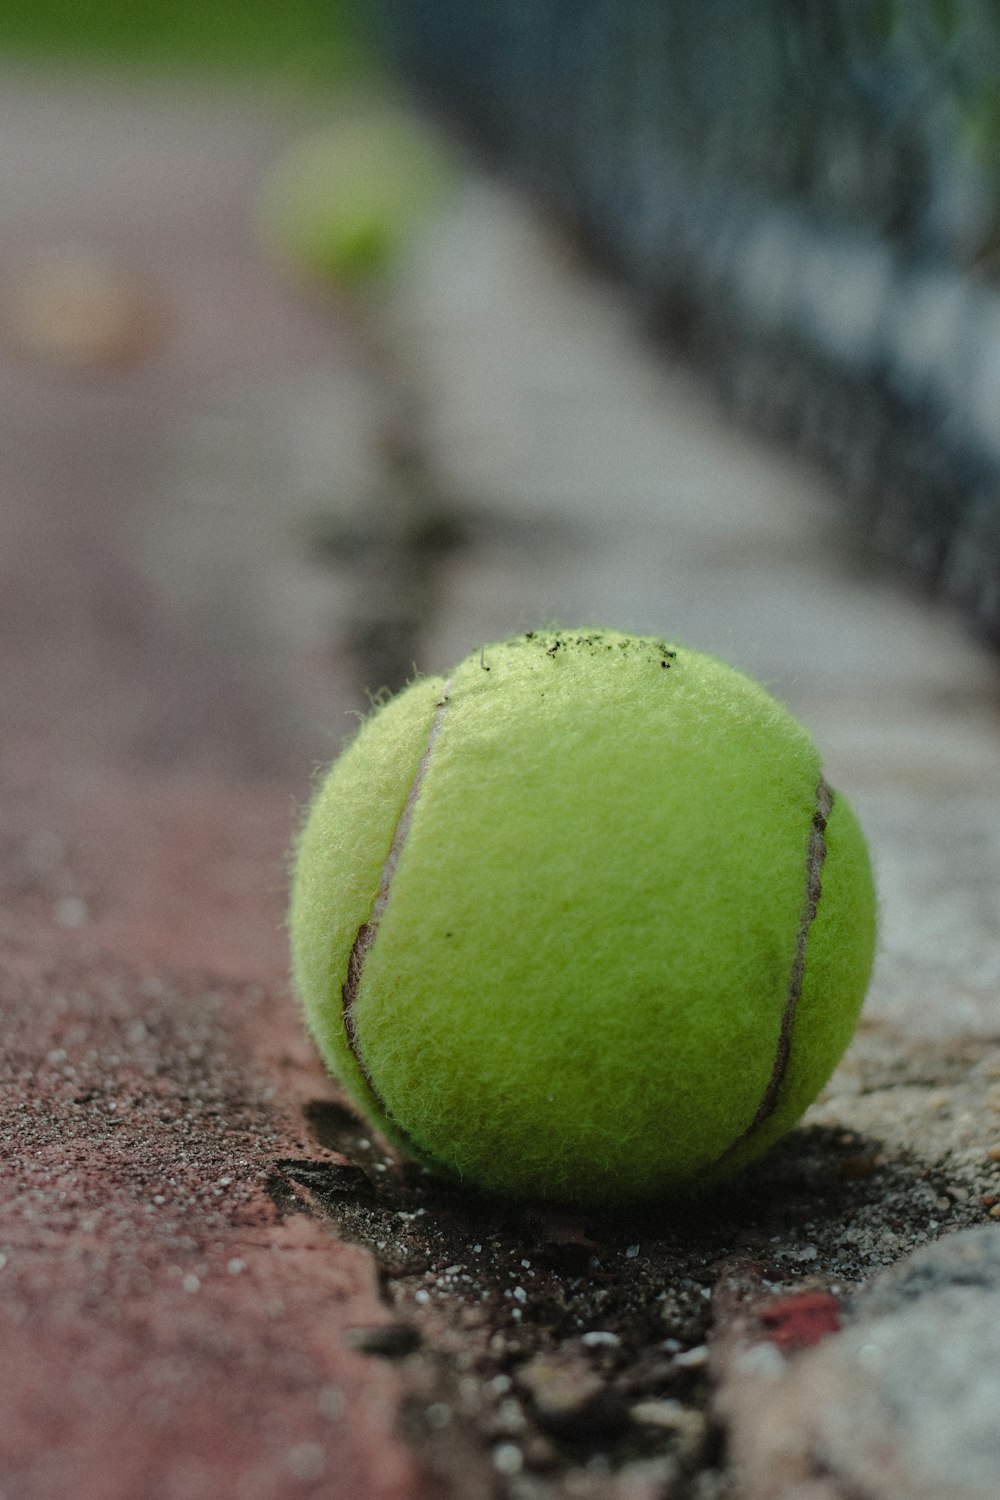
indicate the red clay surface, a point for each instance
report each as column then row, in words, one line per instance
column 171, row 1318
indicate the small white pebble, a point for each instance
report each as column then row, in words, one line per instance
column 306, row 1461
column 70, row 911
column 477, row 1249
column 235, row 1266
column 159, row 1198
column 632, row 1251
column 508, row 1459
column 3, row 1260
column 600, row 1338
column 422, row 1296
column 500, row 1385
column 693, row 1359
column 191, row 1283
column 520, row 1294
column 666, row 1413
column 526, row 1264
column 764, row 1361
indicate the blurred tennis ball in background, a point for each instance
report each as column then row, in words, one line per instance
column 341, row 206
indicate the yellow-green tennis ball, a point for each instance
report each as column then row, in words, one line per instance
column 582, row 921
column 342, row 205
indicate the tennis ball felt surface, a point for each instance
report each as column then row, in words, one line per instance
column 342, row 204
column 582, row 921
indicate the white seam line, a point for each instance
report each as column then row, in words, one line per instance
column 368, row 930
column 815, row 857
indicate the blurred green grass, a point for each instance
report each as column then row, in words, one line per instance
column 304, row 41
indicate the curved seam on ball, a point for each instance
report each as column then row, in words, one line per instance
column 815, row 858
column 368, row 930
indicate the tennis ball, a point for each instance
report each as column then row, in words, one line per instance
column 344, row 202
column 583, row 921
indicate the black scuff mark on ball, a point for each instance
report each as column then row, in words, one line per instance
column 815, row 859
column 368, row 930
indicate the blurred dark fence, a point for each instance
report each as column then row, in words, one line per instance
column 805, row 192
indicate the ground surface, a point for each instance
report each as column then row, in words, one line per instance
column 212, row 1281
